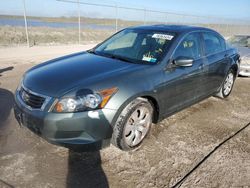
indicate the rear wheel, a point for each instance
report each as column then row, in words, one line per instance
column 133, row 124
column 227, row 85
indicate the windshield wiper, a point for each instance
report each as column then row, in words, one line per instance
column 117, row 57
column 92, row 51
column 121, row 58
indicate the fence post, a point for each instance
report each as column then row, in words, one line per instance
column 144, row 17
column 182, row 22
column 197, row 21
column 166, row 17
column 246, row 26
column 116, row 18
column 227, row 28
column 79, row 23
column 25, row 22
column 208, row 23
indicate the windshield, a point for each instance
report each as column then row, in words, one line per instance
column 137, row 46
column 240, row 40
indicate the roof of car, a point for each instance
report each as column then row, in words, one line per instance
column 172, row 28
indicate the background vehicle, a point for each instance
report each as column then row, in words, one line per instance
column 116, row 90
column 242, row 43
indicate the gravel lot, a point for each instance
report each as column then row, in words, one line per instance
column 174, row 147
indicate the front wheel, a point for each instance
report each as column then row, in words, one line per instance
column 133, row 124
column 227, row 85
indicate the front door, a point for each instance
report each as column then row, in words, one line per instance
column 182, row 84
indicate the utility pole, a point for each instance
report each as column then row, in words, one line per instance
column 144, row 16
column 116, row 18
column 25, row 22
column 79, row 23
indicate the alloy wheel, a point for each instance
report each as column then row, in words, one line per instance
column 228, row 85
column 137, row 126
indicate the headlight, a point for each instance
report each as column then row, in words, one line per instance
column 20, row 85
column 86, row 102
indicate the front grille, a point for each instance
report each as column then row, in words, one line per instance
column 31, row 100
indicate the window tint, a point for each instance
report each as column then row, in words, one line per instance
column 125, row 41
column 189, row 47
column 228, row 45
column 140, row 46
column 213, row 43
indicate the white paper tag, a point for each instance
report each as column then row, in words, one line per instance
column 162, row 36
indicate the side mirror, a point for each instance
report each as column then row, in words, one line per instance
column 183, row 61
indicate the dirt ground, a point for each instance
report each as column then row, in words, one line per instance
column 199, row 143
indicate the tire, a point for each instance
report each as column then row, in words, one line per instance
column 133, row 125
column 227, row 85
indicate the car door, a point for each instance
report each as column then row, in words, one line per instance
column 182, row 84
column 216, row 60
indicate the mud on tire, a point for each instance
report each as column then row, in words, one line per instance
column 119, row 138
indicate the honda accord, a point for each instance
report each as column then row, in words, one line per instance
column 115, row 91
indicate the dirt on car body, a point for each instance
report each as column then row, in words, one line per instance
column 173, row 148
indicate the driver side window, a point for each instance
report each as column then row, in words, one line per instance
column 189, row 47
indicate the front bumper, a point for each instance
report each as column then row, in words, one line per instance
column 79, row 131
column 244, row 70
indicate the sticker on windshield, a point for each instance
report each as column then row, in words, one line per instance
column 149, row 59
column 162, row 36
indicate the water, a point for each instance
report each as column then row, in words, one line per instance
column 39, row 23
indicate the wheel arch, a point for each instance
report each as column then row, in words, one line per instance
column 155, row 106
column 235, row 69
column 235, row 64
column 143, row 96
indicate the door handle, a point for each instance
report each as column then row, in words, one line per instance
column 201, row 66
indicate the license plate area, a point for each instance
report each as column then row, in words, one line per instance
column 32, row 123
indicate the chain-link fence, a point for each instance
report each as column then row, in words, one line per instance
column 83, row 22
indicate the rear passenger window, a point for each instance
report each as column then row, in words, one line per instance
column 213, row 43
column 189, row 47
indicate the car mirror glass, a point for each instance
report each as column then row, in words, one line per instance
column 183, row 61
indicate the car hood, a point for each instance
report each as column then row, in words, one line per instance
column 60, row 75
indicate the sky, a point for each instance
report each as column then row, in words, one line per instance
column 224, row 9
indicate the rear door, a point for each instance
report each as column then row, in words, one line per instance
column 216, row 60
